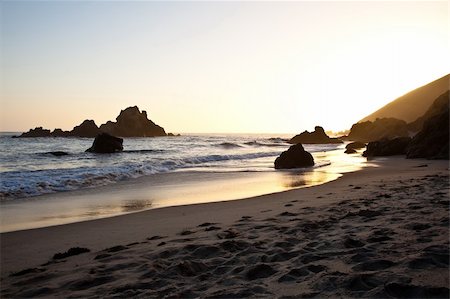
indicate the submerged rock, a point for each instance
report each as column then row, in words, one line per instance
column 317, row 137
column 294, row 157
column 105, row 143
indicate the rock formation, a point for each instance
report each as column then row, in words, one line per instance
column 439, row 105
column 37, row 132
column 294, row 157
column 132, row 123
column 353, row 146
column 105, row 143
column 317, row 137
column 60, row 133
column 387, row 147
column 87, row 128
column 432, row 142
column 382, row 128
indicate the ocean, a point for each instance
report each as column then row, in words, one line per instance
column 32, row 178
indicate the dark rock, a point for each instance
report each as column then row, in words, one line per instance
column 105, row 143
column 355, row 145
column 432, row 142
column 439, row 105
column 37, row 132
column 317, row 137
column 60, row 133
column 132, row 123
column 350, row 151
column 381, row 128
column 294, row 157
column 396, row 146
column 87, row 128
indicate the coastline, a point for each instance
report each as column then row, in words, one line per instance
column 168, row 189
column 179, row 225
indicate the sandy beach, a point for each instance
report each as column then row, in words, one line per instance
column 377, row 232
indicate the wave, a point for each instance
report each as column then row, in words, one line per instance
column 217, row 158
column 228, row 145
column 278, row 140
column 257, row 143
column 21, row 184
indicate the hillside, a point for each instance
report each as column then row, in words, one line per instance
column 412, row 105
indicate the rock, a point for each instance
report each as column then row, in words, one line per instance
column 355, row 145
column 105, row 143
column 387, row 147
column 132, row 123
column 317, row 137
column 294, row 157
column 37, row 132
column 87, row 128
column 60, row 133
column 350, row 151
column 439, row 105
column 382, row 128
column 432, row 142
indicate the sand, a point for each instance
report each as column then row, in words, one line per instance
column 378, row 232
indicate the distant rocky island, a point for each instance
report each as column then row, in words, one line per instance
column 131, row 122
column 317, row 137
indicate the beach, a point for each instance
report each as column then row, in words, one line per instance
column 377, row 232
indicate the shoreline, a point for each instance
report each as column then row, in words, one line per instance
column 167, row 189
column 182, row 225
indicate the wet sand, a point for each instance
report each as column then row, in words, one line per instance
column 378, row 232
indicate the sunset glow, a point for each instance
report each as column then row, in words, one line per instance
column 215, row 66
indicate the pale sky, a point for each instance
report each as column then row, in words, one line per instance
column 254, row 67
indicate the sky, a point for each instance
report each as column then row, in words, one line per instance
column 215, row 67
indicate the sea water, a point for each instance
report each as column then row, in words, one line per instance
column 149, row 173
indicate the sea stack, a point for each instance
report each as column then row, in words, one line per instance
column 294, row 157
column 105, row 143
column 132, row 123
column 317, row 137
